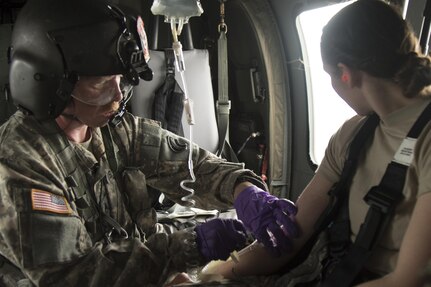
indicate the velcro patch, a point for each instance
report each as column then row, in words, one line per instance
column 46, row 201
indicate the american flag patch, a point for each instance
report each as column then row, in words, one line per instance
column 45, row 201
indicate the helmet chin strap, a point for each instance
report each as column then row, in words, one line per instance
column 116, row 119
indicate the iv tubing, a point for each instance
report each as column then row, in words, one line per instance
column 188, row 198
column 179, row 61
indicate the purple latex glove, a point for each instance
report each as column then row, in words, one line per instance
column 217, row 238
column 269, row 218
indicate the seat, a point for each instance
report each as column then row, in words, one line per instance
column 197, row 76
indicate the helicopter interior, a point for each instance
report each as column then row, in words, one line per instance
column 261, row 103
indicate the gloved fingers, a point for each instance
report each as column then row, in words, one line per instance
column 240, row 239
column 238, row 242
column 280, row 240
column 286, row 223
column 268, row 240
column 222, row 247
column 217, row 238
column 239, row 226
column 286, row 206
column 228, row 240
column 265, row 238
column 236, row 232
column 203, row 244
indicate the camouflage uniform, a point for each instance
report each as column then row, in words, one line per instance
column 59, row 202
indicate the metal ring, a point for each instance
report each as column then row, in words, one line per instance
column 222, row 26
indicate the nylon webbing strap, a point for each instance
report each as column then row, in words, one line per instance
column 168, row 101
column 223, row 103
column 382, row 200
column 340, row 191
column 111, row 155
column 65, row 155
column 339, row 195
column 109, row 148
column 363, row 135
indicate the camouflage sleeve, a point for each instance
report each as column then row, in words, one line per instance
column 44, row 236
column 129, row 262
column 163, row 157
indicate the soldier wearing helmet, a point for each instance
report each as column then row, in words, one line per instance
column 75, row 165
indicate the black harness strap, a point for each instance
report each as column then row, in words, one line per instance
column 168, row 102
column 334, row 217
column 111, row 154
column 382, row 200
column 340, row 191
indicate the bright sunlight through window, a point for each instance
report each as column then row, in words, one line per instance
column 327, row 111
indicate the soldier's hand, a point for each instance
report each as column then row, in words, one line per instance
column 269, row 218
column 217, row 238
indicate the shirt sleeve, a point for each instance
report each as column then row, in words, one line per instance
column 336, row 151
column 164, row 159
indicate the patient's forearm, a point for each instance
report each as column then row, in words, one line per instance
column 252, row 260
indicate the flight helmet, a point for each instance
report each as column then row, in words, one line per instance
column 55, row 42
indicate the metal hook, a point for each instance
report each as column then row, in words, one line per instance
column 222, row 26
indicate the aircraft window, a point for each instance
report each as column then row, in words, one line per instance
column 326, row 110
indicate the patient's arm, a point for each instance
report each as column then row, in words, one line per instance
column 255, row 260
column 252, row 260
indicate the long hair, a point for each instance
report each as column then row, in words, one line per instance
column 372, row 36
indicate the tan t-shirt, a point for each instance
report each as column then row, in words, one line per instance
column 371, row 167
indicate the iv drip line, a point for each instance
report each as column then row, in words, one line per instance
column 180, row 66
column 188, row 109
column 177, row 13
column 188, row 198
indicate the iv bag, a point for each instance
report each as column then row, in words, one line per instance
column 177, row 9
